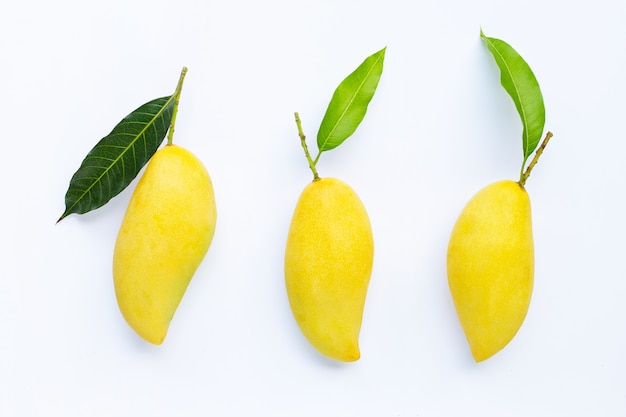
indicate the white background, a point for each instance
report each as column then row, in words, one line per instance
column 439, row 128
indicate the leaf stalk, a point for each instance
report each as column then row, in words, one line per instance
column 179, row 89
column 525, row 174
column 306, row 148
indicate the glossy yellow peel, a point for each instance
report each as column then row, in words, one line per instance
column 328, row 264
column 165, row 234
column 490, row 266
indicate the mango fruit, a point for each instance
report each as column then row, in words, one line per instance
column 490, row 266
column 328, row 264
column 163, row 238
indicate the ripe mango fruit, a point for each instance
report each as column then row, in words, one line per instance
column 490, row 265
column 328, row 264
column 163, row 238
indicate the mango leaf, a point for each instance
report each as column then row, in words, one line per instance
column 118, row 157
column 349, row 103
column 519, row 81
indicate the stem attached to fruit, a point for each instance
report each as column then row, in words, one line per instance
column 525, row 174
column 179, row 89
column 306, row 148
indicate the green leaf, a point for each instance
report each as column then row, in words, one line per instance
column 349, row 103
column 519, row 81
column 117, row 158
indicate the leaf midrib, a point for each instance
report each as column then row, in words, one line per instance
column 349, row 104
column 522, row 108
column 116, row 160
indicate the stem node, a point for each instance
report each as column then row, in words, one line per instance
column 179, row 89
column 306, row 148
column 524, row 176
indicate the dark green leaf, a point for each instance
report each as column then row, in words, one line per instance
column 349, row 103
column 519, row 81
column 117, row 159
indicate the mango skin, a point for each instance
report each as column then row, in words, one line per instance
column 163, row 238
column 328, row 265
column 490, row 266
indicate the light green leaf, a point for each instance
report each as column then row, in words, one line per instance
column 519, row 81
column 117, row 158
column 349, row 103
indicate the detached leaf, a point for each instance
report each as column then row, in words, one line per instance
column 349, row 102
column 519, row 81
column 117, row 158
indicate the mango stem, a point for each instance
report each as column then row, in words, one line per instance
column 532, row 164
column 179, row 89
column 306, row 148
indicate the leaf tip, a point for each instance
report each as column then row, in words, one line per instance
column 64, row 215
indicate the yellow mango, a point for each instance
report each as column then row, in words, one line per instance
column 490, row 265
column 163, row 238
column 328, row 264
